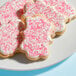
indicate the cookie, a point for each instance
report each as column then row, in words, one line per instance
column 37, row 37
column 63, row 7
column 19, row 4
column 59, row 20
column 12, row 10
column 10, row 15
column 6, row 13
column 8, row 38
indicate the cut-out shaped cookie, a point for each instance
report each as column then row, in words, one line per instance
column 6, row 13
column 19, row 4
column 11, row 10
column 9, row 26
column 63, row 7
column 8, row 38
column 33, row 9
column 37, row 37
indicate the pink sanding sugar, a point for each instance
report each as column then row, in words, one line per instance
column 10, row 10
column 61, row 6
column 9, row 24
column 50, row 14
column 37, row 37
column 8, row 37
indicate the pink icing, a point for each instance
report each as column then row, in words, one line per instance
column 10, row 9
column 6, row 13
column 18, row 4
column 37, row 37
column 61, row 6
column 51, row 2
column 9, row 23
column 0, row 24
column 8, row 37
column 50, row 14
column 65, row 9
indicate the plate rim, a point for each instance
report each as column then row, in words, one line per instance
column 38, row 68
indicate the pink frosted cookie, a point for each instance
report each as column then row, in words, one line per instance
column 12, row 10
column 66, row 9
column 39, row 8
column 9, row 26
column 8, row 38
column 19, row 4
column 62, row 7
column 6, row 13
column 37, row 38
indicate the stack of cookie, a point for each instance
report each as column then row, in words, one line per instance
column 29, row 26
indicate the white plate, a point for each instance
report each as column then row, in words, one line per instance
column 62, row 48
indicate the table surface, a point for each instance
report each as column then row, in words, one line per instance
column 64, row 68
